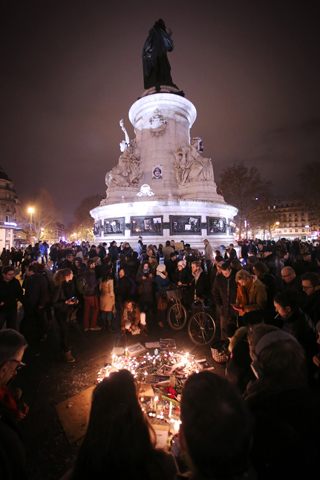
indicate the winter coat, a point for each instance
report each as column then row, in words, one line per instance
column 257, row 297
column 224, row 293
column 147, row 286
column 107, row 297
column 10, row 292
column 162, row 284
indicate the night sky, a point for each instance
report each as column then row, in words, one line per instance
column 70, row 70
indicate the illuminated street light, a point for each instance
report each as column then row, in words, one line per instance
column 30, row 211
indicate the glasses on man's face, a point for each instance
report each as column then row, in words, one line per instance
column 19, row 364
column 284, row 276
column 306, row 288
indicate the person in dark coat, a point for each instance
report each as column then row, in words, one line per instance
column 171, row 265
column 36, row 289
column 145, row 280
column 311, row 297
column 91, row 303
column 198, row 287
column 287, row 420
column 12, row 450
column 123, row 291
column 182, row 276
column 10, row 293
column 63, row 300
column 297, row 323
column 224, row 294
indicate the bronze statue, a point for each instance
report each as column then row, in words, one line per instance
column 156, row 66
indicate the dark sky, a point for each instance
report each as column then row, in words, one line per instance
column 70, row 70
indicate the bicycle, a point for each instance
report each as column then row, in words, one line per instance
column 177, row 313
column 201, row 326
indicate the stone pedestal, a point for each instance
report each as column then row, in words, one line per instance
column 163, row 187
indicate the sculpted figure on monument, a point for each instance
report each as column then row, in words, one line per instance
column 156, row 66
column 125, row 143
column 127, row 173
column 190, row 166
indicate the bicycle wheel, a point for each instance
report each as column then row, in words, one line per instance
column 177, row 316
column 201, row 328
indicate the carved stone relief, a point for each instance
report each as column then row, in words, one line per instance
column 190, row 166
column 158, row 124
column 127, row 173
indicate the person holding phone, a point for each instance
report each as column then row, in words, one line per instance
column 64, row 302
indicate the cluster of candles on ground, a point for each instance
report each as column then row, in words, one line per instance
column 160, row 377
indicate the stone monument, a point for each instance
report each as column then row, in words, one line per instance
column 162, row 187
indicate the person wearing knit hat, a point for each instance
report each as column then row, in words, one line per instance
column 182, row 276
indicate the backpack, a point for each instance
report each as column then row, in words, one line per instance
column 133, row 286
column 81, row 284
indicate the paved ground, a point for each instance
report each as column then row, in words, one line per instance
column 47, row 381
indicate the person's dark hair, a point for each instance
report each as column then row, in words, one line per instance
column 11, row 342
column 90, row 261
column 252, row 260
column 261, row 268
column 217, row 426
column 106, row 276
column 236, row 264
column 287, row 299
column 7, row 269
column 32, row 268
column 117, row 443
column 226, row 266
column 219, row 258
column 60, row 276
column 167, row 243
column 311, row 276
column 282, row 362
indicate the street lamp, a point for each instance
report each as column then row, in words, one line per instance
column 30, row 211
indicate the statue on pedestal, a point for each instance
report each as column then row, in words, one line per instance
column 127, row 173
column 156, row 66
column 191, row 166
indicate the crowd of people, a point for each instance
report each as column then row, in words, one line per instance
column 262, row 421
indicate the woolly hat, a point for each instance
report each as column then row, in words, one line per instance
column 183, row 263
column 161, row 268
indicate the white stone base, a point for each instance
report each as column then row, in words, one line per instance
column 165, row 209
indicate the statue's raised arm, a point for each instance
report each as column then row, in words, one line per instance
column 156, row 66
column 126, row 142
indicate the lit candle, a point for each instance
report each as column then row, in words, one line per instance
column 155, row 403
column 170, row 409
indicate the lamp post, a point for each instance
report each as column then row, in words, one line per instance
column 30, row 211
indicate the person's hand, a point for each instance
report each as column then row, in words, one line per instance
column 150, row 275
column 23, row 410
column 70, row 302
column 179, row 283
column 239, row 309
column 316, row 360
column 2, row 303
column 144, row 278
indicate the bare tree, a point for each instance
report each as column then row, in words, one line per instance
column 44, row 216
column 83, row 222
column 244, row 188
